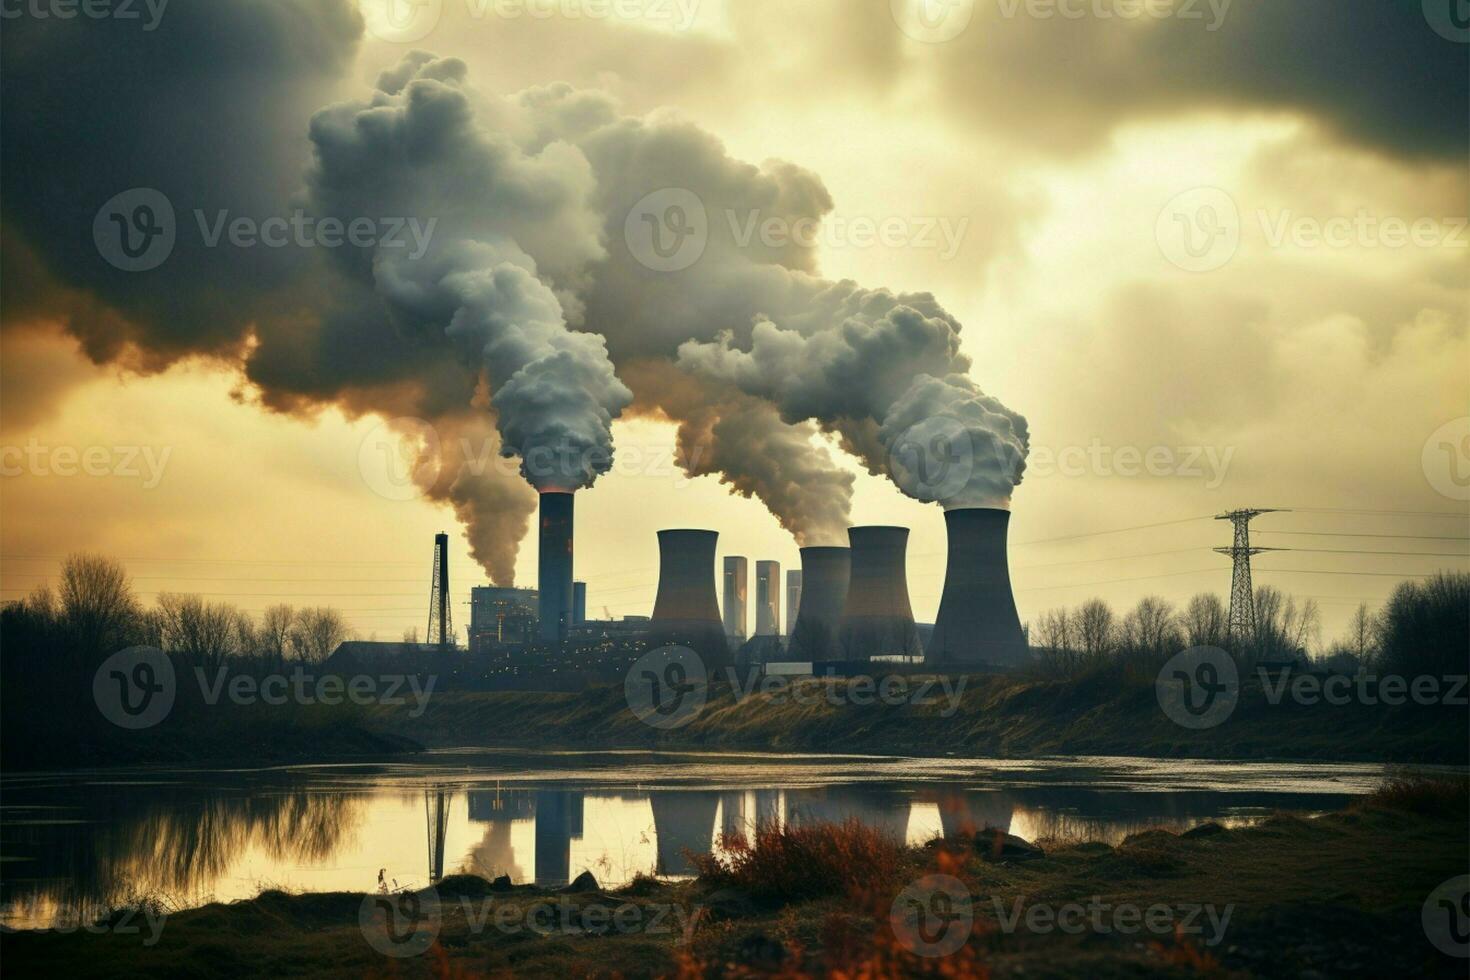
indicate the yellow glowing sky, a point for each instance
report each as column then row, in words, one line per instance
column 1322, row 370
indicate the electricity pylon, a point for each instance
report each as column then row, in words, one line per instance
column 1242, row 598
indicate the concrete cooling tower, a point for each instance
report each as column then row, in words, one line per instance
column 554, row 574
column 977, row 622
column 686, row 612
column 877, row 619
column 824, row 577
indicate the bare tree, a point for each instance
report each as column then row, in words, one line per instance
column 317, row 632
column 205, row 632
column 1095, row 629
column 1363, row 635
column 1149, row 628
column 97, row 604
column 1205, row 621
column 1284, row 628
column 274, row 634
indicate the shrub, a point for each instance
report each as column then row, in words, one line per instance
column 800, row 862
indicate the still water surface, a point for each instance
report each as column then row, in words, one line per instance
column 73, row 844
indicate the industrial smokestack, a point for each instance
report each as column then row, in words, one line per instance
column 977, row 622
column 686, row 612
column 824, row 577
column 767, row 598
column 737, row 587
column 555, row 566
column 877, row 619
column 793, row 599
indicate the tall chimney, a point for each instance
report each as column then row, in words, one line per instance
column 977, row 622
column 767, row 598
column 737, row 590
column 686, row 612
column 824, row 577
column 555, row 566
column 877, row 619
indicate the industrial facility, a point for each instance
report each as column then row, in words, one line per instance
column 847, row 608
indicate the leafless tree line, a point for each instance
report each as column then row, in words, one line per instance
column 1071, row 640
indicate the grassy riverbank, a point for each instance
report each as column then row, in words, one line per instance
column 1337, row 896
column 991, row 715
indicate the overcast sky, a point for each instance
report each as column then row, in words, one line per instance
column 1214, row 253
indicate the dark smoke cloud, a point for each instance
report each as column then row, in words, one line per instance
column 504, row 330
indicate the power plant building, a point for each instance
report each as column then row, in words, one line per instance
column 686, row 612
column 977, row 622
column 737, row 595
column 555, row 567
column 501, row 617
column 824, row 577
column 793, row 598
column 877, row 619
column 767, row 598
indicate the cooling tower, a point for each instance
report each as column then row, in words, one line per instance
column 555, row 567
column 977, row 622
column 767, row 598
column 685, row 611
column 877, row 619
column 824, row 576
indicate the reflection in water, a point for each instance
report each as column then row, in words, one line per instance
column 74, row 845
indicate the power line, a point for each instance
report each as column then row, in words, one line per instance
column 1379, row 513
column 1346, row 534
column 1116, row 530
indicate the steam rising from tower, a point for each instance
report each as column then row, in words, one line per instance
column 977, row 620
column 685, row 612
column 877, row 619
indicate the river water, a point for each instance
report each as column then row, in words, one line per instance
column 73, row 844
